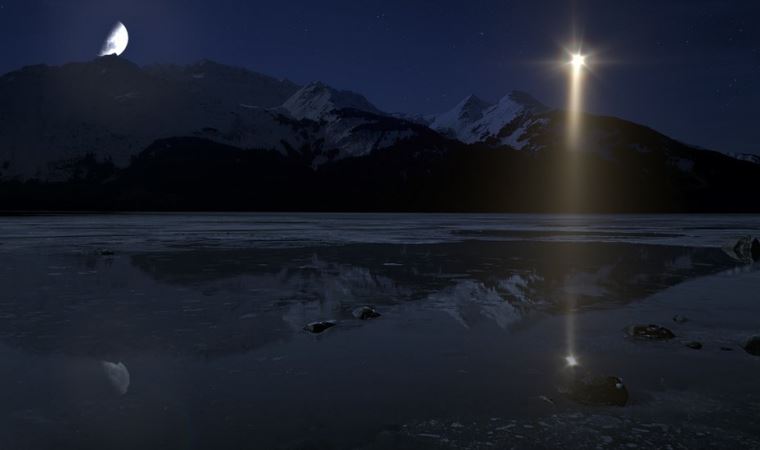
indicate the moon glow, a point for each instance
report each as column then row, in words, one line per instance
column 117, row 41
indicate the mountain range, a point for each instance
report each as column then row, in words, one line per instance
column 110, row 135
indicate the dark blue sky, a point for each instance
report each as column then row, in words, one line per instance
column 689, row 68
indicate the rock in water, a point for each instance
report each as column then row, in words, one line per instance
column 118, row 375
column 694, row 344
column 318, row 327
column 745, row 249
column 651, row 332
column 365, row 312
column 599, row 391
column 752, row 346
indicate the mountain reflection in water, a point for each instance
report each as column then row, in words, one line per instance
column 216, row 301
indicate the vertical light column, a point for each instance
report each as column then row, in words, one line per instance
column 577, row 63
column 573, row 179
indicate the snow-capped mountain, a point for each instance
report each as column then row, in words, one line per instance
column 112, row 109
column 345, row 123
column 316, row 101
column 503, row 123
column 521, row 122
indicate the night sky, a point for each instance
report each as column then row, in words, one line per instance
column 688, row 68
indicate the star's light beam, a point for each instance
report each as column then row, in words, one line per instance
column 577, row 63
column 573, row 192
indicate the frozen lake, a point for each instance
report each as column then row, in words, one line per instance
column 205, row 312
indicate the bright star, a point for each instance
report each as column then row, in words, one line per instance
column 578, row 61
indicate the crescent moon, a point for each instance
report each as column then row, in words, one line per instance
column 117, row 41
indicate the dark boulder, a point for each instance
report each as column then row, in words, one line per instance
column 745, row 249
column 752, row 346
column 365, row 312
column 598, row 391
column 649, row 332
column 694, row 344
column 318, row 327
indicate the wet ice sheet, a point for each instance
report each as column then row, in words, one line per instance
column 206, row 312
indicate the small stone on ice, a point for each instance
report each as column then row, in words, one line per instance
column 752, row 346
column 546, row 399
column 598, row 391
column 650, row 332
column 365, row 312
column 744, row 249
column 429, row 435
column 318, row 327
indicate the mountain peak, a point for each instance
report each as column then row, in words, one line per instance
column 316, row 99
column 526, row 100
column 476, row 120
column 318, row 85
column 114, row 61
column 207, row 62
column 456, row 121
column 473, row 102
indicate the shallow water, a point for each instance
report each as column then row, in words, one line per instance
column 205, row 312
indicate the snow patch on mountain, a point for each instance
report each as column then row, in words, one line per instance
column 749, row 157
column 459, row 121
column 682, row 164
column 496, row 117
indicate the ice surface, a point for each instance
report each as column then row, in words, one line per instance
column 257, row 230
column 209, row 310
